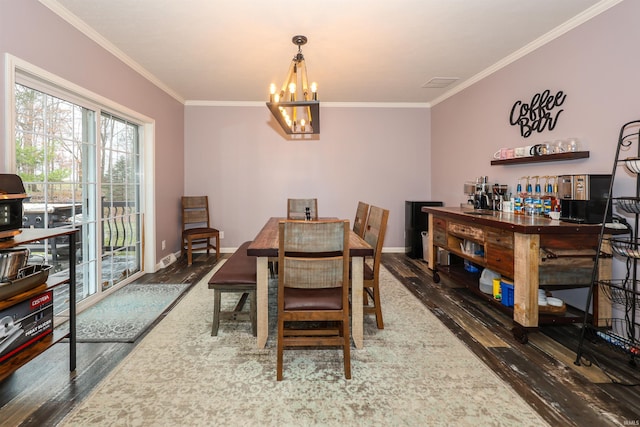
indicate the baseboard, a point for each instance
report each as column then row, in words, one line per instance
column 400, row 250
column 171, row 258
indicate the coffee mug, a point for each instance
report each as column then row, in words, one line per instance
column 527, row 150
column 557, row 147
column 501, row 154
column 539, row 149
column 520, row 152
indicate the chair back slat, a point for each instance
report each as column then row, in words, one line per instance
column 311, row 253
column 376, row 229
column 361, row 218
column 195, row 212
column 296, row 208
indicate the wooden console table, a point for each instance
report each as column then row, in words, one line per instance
column 534, row 251
column 29, row 235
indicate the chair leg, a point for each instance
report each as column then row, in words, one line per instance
column 216, row 312
column 378, row 304
column 217, row 247
column 189, row 251
column 346, row 349
column 280, row 350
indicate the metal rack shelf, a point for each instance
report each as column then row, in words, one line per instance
column 620, row 334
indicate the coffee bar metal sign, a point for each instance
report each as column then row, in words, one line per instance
column 540, row 114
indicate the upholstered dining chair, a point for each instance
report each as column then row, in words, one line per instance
column 196, row 227
column 296, row 208
column 374, row 233
column 313, row 287
column 361, row 218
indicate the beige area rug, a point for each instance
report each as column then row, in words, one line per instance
column 415, row 372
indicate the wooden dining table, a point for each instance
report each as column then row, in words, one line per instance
column 265, row 247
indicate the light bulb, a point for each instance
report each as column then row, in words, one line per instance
column 272, row 90
column 314, row 90
column 292, row 91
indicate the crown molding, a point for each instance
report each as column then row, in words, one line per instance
column 81, row 26
column 261, row 104
column 577, row 20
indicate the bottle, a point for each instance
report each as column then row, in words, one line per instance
column 518, row 207
column 529, row 208
column 549, row 200
column 537, row 197
column 555, row 201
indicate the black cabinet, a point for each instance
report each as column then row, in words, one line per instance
column 415, row 222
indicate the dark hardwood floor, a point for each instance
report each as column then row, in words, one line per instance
column 542, row 371
column 42, row 392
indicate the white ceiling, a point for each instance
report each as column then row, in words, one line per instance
column 358, row 50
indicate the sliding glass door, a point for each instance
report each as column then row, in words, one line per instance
column 75, row 175
column 120, row 199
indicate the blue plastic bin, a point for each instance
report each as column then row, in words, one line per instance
column 507, row 293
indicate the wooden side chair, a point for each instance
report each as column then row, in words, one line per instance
column 313, row 287
column 196, row 227
column 374, row 233
column 296, row 208
column 361, row 218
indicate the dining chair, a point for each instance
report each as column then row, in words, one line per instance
column 296, row 208
column 196, row 227
column 374, row 233
column 313, row 287
column 361, row 218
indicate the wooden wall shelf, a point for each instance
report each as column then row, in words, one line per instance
column 543, row 158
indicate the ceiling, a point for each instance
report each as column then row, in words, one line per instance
column 373, row 51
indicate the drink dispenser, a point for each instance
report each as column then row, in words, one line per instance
column 584, row 198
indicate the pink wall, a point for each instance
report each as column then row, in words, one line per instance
column 595, row 65
column 383, row 156
column 33, row 33
column 377, row 155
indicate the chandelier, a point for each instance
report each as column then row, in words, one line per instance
column 296, row 106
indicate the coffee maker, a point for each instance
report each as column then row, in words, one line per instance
column 483, row 195
column 584, row 198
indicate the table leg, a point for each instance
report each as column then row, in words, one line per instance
column 357, row 274
column 262, row 300
column 526, row 249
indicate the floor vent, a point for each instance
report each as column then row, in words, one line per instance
column 167, row 261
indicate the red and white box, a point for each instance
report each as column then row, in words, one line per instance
column 25, row 323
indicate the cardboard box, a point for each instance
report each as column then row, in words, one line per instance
column 25, row 323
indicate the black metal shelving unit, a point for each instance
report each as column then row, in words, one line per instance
column 621, row 331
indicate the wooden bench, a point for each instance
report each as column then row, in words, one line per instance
column 237, row 274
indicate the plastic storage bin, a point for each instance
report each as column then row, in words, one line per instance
column 506, row 288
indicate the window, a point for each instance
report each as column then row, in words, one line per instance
column 81, row 164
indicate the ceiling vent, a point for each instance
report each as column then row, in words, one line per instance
column 440, row 82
